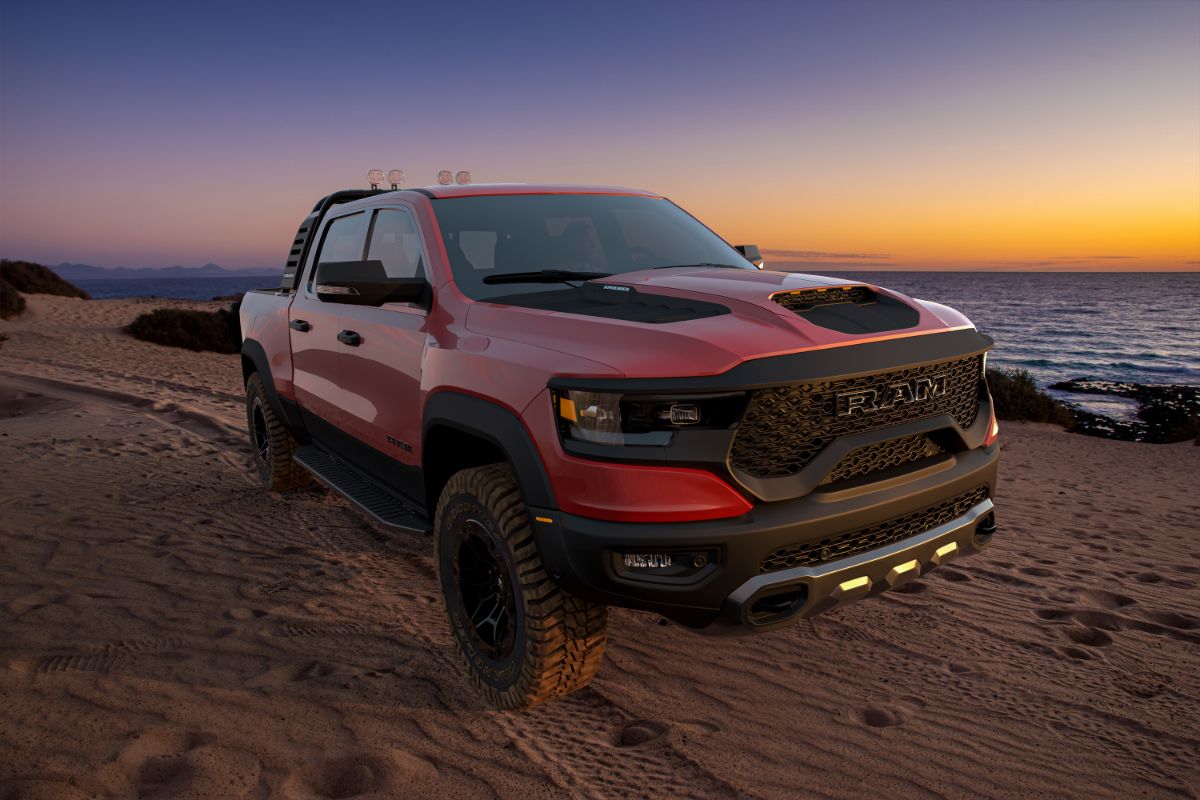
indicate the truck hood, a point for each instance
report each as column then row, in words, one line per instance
column 708, row 342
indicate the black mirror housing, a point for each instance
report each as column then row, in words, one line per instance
column 750, row 253
column 366, row 283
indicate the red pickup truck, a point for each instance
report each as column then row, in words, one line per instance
column 590, row 399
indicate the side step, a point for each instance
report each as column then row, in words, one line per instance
column 381, row 504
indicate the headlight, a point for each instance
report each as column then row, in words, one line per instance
column 591, row 416
column 615, row 419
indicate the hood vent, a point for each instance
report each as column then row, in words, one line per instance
column 808, row 299
column 849, row 309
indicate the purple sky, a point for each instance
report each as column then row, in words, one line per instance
column 947, row 134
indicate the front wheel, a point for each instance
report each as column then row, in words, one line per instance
column 524, row 639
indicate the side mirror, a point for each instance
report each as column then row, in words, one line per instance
column 751, row 254
column 366, row 283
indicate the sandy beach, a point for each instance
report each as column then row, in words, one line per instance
column 169, row 629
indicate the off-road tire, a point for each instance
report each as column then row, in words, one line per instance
column 557, row 640
column 271, row 444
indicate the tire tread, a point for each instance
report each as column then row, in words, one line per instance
column 566, row 634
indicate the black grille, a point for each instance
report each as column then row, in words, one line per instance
column 881, row 534
column 808, row 299
column 786, row 426
column 882, row 455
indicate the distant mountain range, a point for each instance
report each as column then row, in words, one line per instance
column 72, row 272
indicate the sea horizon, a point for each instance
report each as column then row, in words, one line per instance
column 1059, row 326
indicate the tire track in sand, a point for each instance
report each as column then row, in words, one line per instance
column 587, row 745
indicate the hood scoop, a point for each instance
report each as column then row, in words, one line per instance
column 615, row 301
column 849, row 309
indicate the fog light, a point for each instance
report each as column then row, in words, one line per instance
column 647, row 560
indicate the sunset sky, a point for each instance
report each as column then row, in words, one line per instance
column 949, row 135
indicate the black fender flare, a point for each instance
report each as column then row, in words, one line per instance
column 496, row 424
column 257, row 356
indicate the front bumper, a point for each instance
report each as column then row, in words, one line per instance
column 775, row 599
column 730, row 591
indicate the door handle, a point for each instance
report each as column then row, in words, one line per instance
column 350, row 337
column 300, row 325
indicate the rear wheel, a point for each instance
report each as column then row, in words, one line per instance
column 524, row 639
column 271, row 442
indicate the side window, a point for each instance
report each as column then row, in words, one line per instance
column 343, row 241
column 395, row 242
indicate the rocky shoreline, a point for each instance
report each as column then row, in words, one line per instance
column 1166, row 412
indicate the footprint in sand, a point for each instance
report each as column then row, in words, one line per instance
column 639, row 732
column 1052, row 614
column 877, row 717
column 242, row 614
column 1078, row 653
column 1106, row 599
column 1089, row 637
column 362, row 774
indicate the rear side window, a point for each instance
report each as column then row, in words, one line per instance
column 343, row 241
column 396, row 243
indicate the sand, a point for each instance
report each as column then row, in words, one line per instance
column 169, row 629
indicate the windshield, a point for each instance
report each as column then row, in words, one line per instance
column 594, row 234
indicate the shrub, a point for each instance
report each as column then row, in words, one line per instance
column 1017, row 397
column 214, row 331
column 11, row 302
column 31, row 278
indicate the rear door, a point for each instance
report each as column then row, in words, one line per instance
column 381, row 375
column 317, row 353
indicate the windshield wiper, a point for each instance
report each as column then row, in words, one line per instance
column 701, row 264
column 545, row 276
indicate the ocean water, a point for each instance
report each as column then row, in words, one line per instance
column 1142, row 327
column 180, row 288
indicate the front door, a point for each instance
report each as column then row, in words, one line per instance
column 381, row 374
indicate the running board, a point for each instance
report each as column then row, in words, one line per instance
column 381, row 504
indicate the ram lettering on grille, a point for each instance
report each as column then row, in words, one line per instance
column 864, row 401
